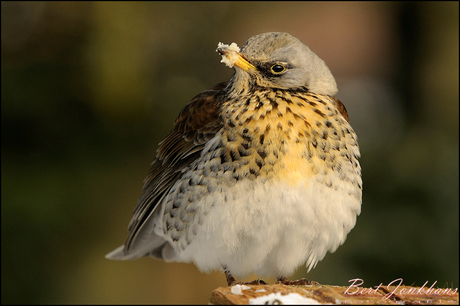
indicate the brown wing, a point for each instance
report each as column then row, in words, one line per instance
column 341, row 108
column 197, row 123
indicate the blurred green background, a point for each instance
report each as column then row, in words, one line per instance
column 88, row 89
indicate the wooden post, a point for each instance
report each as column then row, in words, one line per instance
column 326, row 294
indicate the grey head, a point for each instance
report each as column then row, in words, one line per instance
column 283, row 61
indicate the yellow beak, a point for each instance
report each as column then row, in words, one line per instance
column 244, row 64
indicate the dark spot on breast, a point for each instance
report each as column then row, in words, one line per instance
column 234, row 155
column 182, row 188
column 231, row 124
column 247, row 137
column 312, row 103
column 243, row 152
column 267, row 129
column 314, row 143
column 320, row 113
column 273, row 104
column 248, row 120
column 328, row 124
column 280, row 95
column 224, row 157
column 246, row 145
column 310, row 153
column 236, row 176
column 321, row 101
column 322, row 145
column 279, row 126
column 262, row 154
column 259, row 163
column 231, row 137
column 176, row 204
column 261, row 139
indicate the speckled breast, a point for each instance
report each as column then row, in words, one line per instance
column 293, row 137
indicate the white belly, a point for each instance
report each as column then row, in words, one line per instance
column 270, row 228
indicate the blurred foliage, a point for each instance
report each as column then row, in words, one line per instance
column 88, row 89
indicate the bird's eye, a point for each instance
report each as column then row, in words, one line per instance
column 277, row 68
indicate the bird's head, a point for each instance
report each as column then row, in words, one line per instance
column 277, row 60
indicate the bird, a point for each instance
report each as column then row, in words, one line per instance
column 259, row 175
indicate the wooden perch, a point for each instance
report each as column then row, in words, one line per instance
column 325, row 294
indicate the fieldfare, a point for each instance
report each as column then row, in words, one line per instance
column 259, row 175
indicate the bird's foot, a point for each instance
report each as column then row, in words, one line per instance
column 231, row 281
column 299, row 282
column 254, row 282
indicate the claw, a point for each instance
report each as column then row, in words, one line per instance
column 231, row 281
column 299, row 282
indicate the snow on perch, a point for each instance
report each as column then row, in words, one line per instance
column 238, row 289
column 279, row 298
